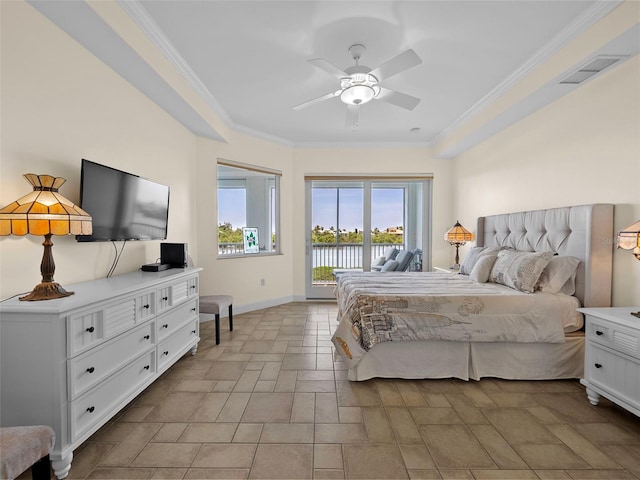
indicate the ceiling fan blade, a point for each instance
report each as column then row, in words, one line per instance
column 397, row 98
column 316, row 100
column 328, row 67
column 352, row 117
column 397, row 64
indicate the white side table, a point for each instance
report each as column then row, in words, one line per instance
column 446, row 269
column 612, row 356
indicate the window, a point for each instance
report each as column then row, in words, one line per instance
column 248, row 196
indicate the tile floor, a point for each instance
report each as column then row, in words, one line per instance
column 270, row 403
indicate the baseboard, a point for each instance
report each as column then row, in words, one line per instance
column 251, row 307
column 274, row 302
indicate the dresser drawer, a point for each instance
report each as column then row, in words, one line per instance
column 192, row 287
column 617, row 337
column 617, row 374
column 145, row 306
column 171, row 321
column 90, row 327
column 172, row 295
column 92, row 367
column 101, row 402
column 176, row 345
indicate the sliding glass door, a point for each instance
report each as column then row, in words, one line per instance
column 351, row 222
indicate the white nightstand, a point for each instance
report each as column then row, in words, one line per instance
column 612, row 356
column 446, row 269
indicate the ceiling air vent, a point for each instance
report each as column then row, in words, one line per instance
column 592, row 68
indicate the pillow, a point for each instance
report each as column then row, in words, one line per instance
column 470, row 260
column 389, row 266
column 473, row 256
column 482, row 268
column 519, row 270
column 559, row 276
column 378, row 261
column 390, row 253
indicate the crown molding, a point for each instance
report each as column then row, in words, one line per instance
column 142, row 18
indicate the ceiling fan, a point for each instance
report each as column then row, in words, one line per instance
column 360, row 84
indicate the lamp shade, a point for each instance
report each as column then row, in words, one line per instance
column 458, row 235
column 44, row 211
column 629, row 238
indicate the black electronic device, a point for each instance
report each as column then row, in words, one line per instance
column 174, row 254
column 155, row 267
column 123, row 206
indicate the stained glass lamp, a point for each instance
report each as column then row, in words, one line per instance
column 456, row 236
column 44, row 212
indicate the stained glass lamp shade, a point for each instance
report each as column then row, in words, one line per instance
column 629, row 239
column 46, row 212
column 458, row 235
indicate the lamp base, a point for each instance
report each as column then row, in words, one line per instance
column 46, row 291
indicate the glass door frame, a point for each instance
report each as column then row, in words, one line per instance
column 419, row 217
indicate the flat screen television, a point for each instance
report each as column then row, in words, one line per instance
column 123, row 206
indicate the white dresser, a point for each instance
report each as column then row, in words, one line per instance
column 73, row 363
column 612, row 356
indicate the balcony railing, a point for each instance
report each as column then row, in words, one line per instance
column 326, row 257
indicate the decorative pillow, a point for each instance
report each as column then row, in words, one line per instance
column 389, row 266
column 519, row 270
column 559, row 276
column 378, row 261
column 470, row 260
column 390, row 253
column 482, row 268
column 474, row 255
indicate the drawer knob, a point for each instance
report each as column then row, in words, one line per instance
column 146, row 337
column 146, row 306
column 146, row 367
column 193, row 331
column 166, row 352
column 90, row 329
column 165, row 325
column 193, row 309
column 598, row 365
column 598, row 332
column 165, row 298
column 91, row 369
column 193, row 286
column 91, row 409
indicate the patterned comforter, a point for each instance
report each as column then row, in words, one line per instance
column 377, row 307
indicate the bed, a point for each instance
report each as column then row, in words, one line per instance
column 436, row 325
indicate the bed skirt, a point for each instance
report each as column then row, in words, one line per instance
column 464, row 360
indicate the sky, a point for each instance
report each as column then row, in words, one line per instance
column 387, row 208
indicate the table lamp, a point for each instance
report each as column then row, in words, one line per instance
column 44, row 212
column 458, row 235
column 629, row 239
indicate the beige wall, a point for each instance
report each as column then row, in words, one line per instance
column 61, row 104
column 240, row 277
column 584, row 148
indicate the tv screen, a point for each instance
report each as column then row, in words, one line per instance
column 123, row 206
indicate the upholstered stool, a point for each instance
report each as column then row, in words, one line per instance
column 214, row 304
column 24, row 447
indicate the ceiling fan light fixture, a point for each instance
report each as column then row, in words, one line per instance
column 357, row 95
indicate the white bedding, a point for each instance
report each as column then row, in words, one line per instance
column 376, row 308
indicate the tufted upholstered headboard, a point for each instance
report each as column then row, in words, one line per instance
column 584, row 232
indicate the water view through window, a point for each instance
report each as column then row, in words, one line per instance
column 338, row 236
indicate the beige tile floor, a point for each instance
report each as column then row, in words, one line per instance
column 270, row 403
